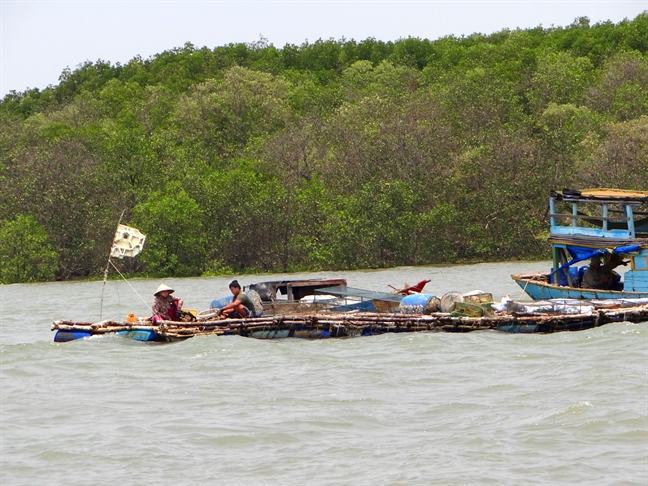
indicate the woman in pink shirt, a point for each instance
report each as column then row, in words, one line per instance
column 165, row 306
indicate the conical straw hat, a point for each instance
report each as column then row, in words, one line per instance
column 163, row 287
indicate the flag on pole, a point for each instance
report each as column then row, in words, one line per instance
column 128, row 242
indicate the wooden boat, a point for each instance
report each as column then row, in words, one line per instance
column 310, row 296
column 538, row 287
column 288, row 296
column 320, row 326
column 589, row 223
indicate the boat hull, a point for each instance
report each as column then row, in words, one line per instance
column 545, row 328
column 322, row 326
column 539, row 290
column 141, row 335
column 270, row 334
column 62, row 336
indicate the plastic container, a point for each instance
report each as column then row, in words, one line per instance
column 478, row 297
column 416, row 299
column 448, row 301
column 468, row 309
column 419, row 304
column 221, row 302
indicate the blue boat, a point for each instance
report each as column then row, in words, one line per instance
column 71, row 331
column 64, row 336
column 605, row 223
column 144, row 335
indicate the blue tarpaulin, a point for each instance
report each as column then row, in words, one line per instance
column 580, row 253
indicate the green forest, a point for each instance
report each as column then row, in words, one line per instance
column 333, row 154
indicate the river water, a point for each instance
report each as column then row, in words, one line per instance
column 427, row 408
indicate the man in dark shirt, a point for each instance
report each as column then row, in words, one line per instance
column 241, row 306
column 601, row 276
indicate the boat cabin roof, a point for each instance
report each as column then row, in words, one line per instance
column 599, row 218
column 294, row 289
column 602, row 195
column 361, row 294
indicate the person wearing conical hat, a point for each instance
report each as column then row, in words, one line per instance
column 165, row 306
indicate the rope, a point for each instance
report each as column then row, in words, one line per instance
column 103, row 287
column 129, row 284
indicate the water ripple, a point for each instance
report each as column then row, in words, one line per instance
column 478, row 408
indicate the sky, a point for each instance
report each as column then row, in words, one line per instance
column 38, row 39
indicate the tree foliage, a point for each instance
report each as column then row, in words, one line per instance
column 330, row 154
column 26, row 254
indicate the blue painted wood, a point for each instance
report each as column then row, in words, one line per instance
column 641, row 261
column 543, row 291
column 596, row 232
column 636, row 281
column 630, row 220
column 141, row 335
column 604, row 231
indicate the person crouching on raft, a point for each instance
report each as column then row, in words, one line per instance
column 241, row 306
column 165, row 306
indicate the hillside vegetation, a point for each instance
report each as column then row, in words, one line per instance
column 329, row 155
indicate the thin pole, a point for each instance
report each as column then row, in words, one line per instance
column 105, row 278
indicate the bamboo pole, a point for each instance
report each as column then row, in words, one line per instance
column 354, row 324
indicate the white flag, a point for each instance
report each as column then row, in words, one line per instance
column 128, row 242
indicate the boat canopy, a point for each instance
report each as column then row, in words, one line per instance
column 294, row 289
column 361, row 294
column 580, row 253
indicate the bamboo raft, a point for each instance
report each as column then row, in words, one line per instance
column 319, row 326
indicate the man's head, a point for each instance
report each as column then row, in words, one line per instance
column 595, row 262
column 614, row 260
column 235, row 287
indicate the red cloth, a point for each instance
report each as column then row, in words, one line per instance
column 165, row 309
column 414, row 289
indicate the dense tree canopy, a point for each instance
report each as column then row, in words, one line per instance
column 328, row 155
